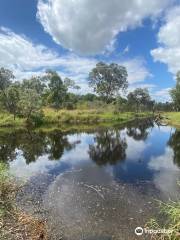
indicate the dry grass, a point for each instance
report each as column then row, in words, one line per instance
column 14, row 223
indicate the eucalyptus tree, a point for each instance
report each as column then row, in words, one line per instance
column 57, row 91
column 108, row 79
column 175, row 92
column 139, row 97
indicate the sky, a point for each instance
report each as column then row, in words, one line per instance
column 72, row 36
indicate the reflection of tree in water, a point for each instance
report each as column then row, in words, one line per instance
column 139, row 130
column 109, row 147
column 33, row 145
column 174, row 143
column 58, row 142
column 7, row 146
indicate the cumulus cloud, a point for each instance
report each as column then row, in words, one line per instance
column 25, row 58
column 21, row 53
column 88, row 26
column 162, row 95
column 137, row 70
column 169, row 40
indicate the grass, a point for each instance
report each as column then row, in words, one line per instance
column 14, row 223
column 87, row 116
column 171, row 212
column 91, row 116
column 173, row 118
column 7, row 120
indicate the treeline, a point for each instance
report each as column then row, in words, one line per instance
column 27, row 98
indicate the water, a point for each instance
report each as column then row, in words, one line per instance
column 99, row 184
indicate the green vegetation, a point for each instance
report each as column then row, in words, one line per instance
column 170, row 212
column 7, row 191
column 15, row 224
column 48, row 99
column 175, row 93
column 107, row 80
column 173, row 118
column 59, row 117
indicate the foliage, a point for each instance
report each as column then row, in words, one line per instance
column 69, row 83
column 11, row 99
column 139, row 97
column 30, row 103
column 175, row 93
column 108, row 80
column 5, row 78
column 57, row 89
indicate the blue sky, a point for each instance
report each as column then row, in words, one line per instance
column 71, row 36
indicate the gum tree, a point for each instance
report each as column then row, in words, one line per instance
column 108, row 79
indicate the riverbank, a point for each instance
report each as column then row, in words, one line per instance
column 15, row 224
column 173, row 118
column 53, row 117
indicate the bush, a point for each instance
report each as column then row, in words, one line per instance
column 69, row 105
column 36, row 119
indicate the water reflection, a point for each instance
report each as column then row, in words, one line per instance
column 33, row 145
column 95, row 184
column 174, row 143
column 109, row 147
column 139, row 130
column 139, row 152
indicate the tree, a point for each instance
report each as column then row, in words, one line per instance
column 57, row 89
column 139, row 97
column 107, row 80
column 69, row 83
column 35, row 83
column 6, row 77
column 30, row 103
column 175, row 92
column 12, row 98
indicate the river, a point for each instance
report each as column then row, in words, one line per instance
column 99, row 184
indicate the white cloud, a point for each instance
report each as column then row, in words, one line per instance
column 137, row 70
column 169, row 39
column 166, row 172
column 25, row 58
column 21, row 169
column 19, row 52
column 162, row 95
column 88, row 26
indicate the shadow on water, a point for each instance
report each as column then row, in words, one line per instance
column 96, row 184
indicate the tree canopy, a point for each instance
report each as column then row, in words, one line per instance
column 175, row 92
column 107, row 80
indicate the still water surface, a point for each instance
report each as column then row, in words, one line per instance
column 99, row 184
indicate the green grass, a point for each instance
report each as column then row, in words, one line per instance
column 87, row 116
column 171, row 213
column 7, row 120
column 171, row 220
column 72, row 117
column 173, row 118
